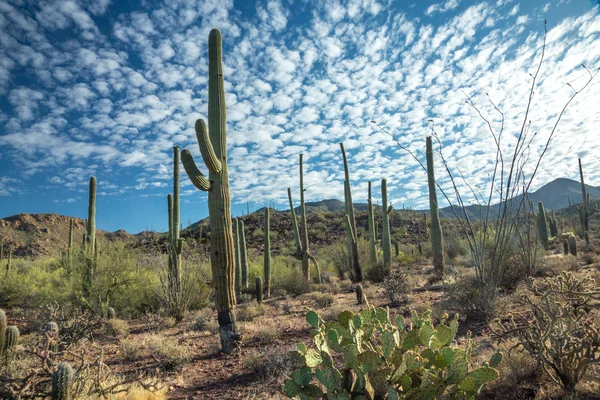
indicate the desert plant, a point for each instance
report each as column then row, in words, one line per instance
column 238, row 257
column 267, row 255
column 62, row 380
column 573, row 245
column 3, row 325
column 352, row 234
column 259, row 290
column 359, row 294
column 52, row 336
column 437, row 238
column 372, row 233
column 366, row 355
column 395, row 286
column 12, row 338
column 90, row 241
column 386, row 244
column 175, row 246
column 111, row 313
column 543, row 226
column 556, row 330
column 243, row 255
column 586, row 237
column 565, row 247
column 214, row 153
column 474, row 299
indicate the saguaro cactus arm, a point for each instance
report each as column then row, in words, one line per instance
column 206, row 148
column 197, row 178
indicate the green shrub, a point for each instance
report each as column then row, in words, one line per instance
column 366, row 355
column 472, row 298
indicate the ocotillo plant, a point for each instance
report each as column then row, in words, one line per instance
column 371, row 226
column 62, row 380
column 437, row 239
column 386, row 242
column 267, row 256
column 259, row 290
column 542, row 226
column 351, row 231
column 90, row 240
column 243, row 254
column 175, row 245
column 238, row 262
column 214, row 152
column 301, row 237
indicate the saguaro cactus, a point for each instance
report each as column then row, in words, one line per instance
column 259, row 290
column 359, row 294
column 573, row 245
column 267, row 257
column 566, row 247
column 243, row 254
column 371, row 226
column 437, row 239
column 542, row 226
column 70, row 249
column 301, row 237
column 90, row 240
column 12, row 338
column 238, row 258
column 386, row 242
column 214, row 152
column 3, row 325
column 352, row 233
column 62, row 380
column 175, row 245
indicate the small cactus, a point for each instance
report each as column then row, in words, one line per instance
column 586, row 236
column 359, row 294
column 566, row 247
column 12, row 337
column 110, row 313
column 573, row 245
column 62, row 380
column 2, row 331
column 259, row 290
column 52, row 335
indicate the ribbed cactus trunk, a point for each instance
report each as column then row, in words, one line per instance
column 70, row 249
column 90, row 240
column 352, row 233
column 3, row 326
column 386, row 242
column 267, row 256
column 585, row 222
column 303, row 227
column 437, row 239
column 175, row 243
column 543, row 226
column 371, row 226
column 238, row 258
column 214, row 152
column 243, row 255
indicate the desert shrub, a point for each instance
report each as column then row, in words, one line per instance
column 117, row 328
column 131, row 349
column 589, row 258
column 269, row 334
column 322, row 300
column 472, row 298
column 414, row 360
column 557, row 330
column 396, row 286
column 169, row 354
column 453, row 247
column 272, row 364
column 247, row 312
column 338, row 256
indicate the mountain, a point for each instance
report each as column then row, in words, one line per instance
column 46, row 234
column 554, row 195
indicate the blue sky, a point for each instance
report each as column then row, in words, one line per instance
column 106, row 88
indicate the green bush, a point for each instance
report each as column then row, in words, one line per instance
column 472, row 298
column 366, row 355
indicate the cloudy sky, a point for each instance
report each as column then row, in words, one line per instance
column 99, row 87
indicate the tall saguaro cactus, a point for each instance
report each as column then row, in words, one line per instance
column 585, row 212
column 214, row 152
column 238, row 258
column 267, row 260
column 243, row 255
column 352, row 233
column 90, row 240
column 175, row 245
column 386, row 242
column 371, row 226
column 70, row 249
column 437, row 240
column 301, row 236
column 543, row 226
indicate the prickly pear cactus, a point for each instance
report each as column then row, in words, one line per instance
column 62, row 380
column 369, row 356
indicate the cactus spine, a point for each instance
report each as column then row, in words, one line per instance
column 238, row 258
column 175, row 242
column 267, row 261
column 573, row 245
column 302, row 251
column 372, row 234
column 3, row 325
column 259, row 290
column 437, row 239
column 62, row 380
column 351, row 228
column 542, row 226
column 90, row 240
column 214, row 153
column 243, row 254
column 386, row 243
